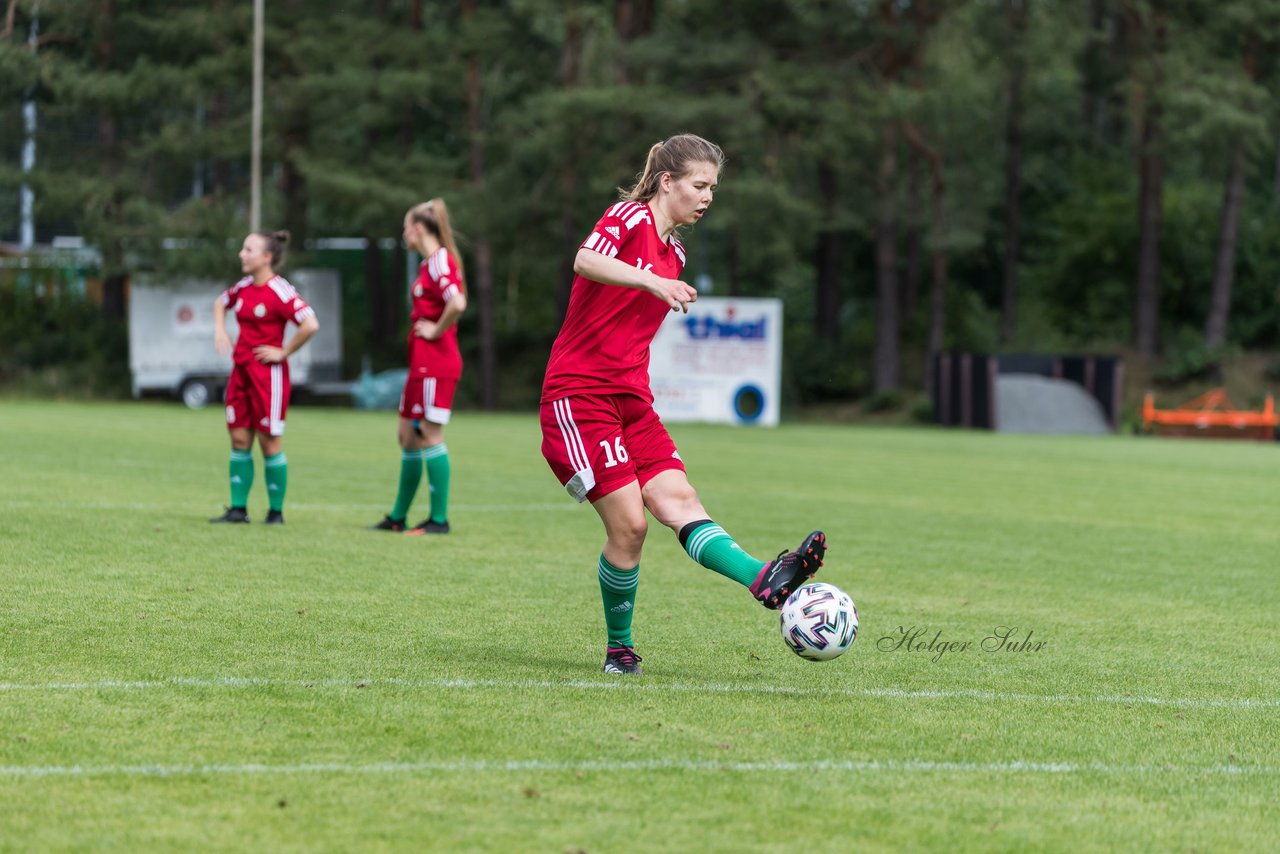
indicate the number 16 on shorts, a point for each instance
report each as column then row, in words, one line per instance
column 598, row 443
column 614, row 455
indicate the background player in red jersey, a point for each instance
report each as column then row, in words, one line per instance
column 600, row 433
column 435, row 365
column 258, row 389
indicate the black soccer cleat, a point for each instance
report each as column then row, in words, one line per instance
column 783, row 575
column 389, row 524
column 275, row 517
column 427, row 526
column 234, row 514
column 622, row 659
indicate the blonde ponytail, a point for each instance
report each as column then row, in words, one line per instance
column 675, row 156
column 434, row 216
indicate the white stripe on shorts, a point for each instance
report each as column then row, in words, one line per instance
column 277, row 399
column 572, row 438
column 433, row 413
column 584, row 479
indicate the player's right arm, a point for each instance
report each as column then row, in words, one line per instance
column 221, row 341
column 590, row 264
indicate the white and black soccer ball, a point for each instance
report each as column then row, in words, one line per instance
column 819, row 621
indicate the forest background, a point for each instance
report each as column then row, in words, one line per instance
column 908, row 176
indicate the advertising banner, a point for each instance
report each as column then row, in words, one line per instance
column 720, row 363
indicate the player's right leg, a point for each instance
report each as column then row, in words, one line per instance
column 411, row 456
column 622, row 512
column 240, row 466
column 582, row 442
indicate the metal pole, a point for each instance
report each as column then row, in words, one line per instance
column 27, row 203
column 255, row 156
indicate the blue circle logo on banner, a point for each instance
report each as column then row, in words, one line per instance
column 748, row 403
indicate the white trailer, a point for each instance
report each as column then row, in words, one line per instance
column 171, row 338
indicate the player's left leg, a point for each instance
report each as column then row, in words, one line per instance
column 275, row 470
column 674, row 503
column 438, row 408
column 271, row 391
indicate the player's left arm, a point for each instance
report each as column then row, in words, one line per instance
column 453, row 309
column 307, row 327
column 607, row 270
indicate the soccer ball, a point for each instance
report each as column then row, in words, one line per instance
column 819, row 621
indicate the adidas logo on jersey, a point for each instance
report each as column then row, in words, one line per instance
column 613, row 229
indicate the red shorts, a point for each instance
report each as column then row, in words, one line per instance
column 258, row 397
column 597, row 444
column 429, row 398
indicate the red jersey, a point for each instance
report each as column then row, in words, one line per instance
column 437, row 283
column 263, row 311
column 603, row 345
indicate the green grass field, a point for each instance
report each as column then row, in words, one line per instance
column 170, row 684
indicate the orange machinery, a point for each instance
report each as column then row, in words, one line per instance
column 1211, row 414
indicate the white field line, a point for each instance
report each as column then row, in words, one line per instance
column 168, row 509
column 521, row 766
column 642, row 686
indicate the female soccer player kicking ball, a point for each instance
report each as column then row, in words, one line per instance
column 600, row 433
column 435, row 365
column 258, row 389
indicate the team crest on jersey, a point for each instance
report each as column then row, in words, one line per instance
column 613, row 229
column 417, row 290
column 259, row 310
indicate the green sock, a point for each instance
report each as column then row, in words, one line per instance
column 410, row 477
column 241, row 473
column 437, row 457
column 708, row 544
column 276, row 471
column 618, row 591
